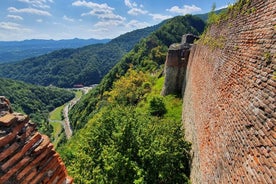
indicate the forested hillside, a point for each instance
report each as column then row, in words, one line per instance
column 125, row 132
column 64, row 68
column 148, row 55
column 36, row 101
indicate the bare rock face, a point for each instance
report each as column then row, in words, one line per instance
column 26, row 156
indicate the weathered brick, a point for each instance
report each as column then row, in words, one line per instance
column 242, row 84
column 8, row 120
column 27, row 156
column 8, row 138
column 9, row 151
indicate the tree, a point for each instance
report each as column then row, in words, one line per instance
column 157, row 106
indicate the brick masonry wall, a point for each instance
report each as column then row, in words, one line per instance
column 26, row 156
column 229, row 109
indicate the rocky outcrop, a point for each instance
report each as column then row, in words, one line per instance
column 229, row 110
column 26, row 156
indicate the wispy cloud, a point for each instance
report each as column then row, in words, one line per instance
column 39, row 20
column 68, row 19
column 92, row 5
column 11, row 26
column 134, row 9
column 38, row 3
column 135, row 24
column 186, row 9
column 129, row 4
column 102, row 11
column 29, row 11
column 15, row 17
column 159, row 17
column 137, row 11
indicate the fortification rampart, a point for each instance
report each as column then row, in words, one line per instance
column 229, row 110
column 176, row 64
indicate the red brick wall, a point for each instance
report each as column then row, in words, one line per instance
column 229, row 110
column 26, row 156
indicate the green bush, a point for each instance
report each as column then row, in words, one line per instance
column 157, row 106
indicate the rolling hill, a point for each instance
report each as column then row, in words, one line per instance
column 36, row 101
column 67, row 67
column 12, row 51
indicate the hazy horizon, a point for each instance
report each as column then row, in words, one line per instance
column 86, row 19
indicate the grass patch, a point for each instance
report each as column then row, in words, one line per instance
column 56, row 114
column 57, row 131
column 78, row 93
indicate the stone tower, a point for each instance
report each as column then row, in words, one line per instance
column 176, row 64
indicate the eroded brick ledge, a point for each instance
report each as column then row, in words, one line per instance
column 26, row 156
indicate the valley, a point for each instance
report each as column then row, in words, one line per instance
column 190, row 100
column 59, row 117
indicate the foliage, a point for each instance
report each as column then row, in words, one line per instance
column 148, row 55
column 233, row 10
column 124, row 131
column 66, row 67
column 213, row 42
column 157, row 106
column 212, row 16
column 123, row 145
column 129, row 89
column 36, row 101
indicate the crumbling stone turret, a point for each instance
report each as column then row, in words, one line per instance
column 176, row 64
column 26, row 156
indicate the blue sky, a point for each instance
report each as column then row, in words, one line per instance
column 66, row 19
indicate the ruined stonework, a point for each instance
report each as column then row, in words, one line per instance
column 229, row 110
column 176, row 64
column 26, row 156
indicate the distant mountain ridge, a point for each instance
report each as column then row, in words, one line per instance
column 11, row 51
column 67, row 67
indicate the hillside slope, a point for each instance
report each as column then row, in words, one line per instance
column 148, row 55
column 64, row 68
column 124, row 131
column 36, row 101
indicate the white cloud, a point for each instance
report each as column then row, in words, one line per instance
column 129, row 4
column 93, row 5
column 39, row 20
column 135, row 24
column 29, row 10
column 101, row 11
column 106, row 24
column 37, row 3
column 15, row 17
column 68, row 19
column 186, row 9
column 11, row 26
column 137, row 11
column 159, row 16
column 133, row 8
column 222, row 7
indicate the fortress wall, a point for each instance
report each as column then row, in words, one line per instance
column 229, row 109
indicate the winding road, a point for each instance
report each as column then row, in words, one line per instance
column 68, row 106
